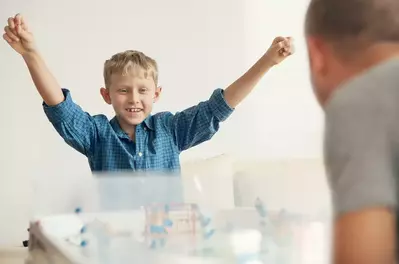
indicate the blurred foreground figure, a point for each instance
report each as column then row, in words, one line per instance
column 353, row 50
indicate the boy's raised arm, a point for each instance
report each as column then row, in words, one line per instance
column 280, row 49
column 199, row 123
column 76, row 127
column 21, row 40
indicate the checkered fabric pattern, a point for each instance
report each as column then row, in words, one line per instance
column 159, row 139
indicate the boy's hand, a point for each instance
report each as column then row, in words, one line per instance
column 280, row 49
column 18, row 36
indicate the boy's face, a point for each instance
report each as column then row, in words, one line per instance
column 131, row 96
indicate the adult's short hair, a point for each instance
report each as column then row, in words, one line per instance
column 345, row 21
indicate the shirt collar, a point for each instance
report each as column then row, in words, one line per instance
column 148, row 123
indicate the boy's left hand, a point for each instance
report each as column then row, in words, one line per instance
column 281, row 48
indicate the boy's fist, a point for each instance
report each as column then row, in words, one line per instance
column 281, row 48
column 16, row 34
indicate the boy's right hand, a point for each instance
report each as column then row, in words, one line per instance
column 18, row 36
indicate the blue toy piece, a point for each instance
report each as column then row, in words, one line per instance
column 260, row 208
column 153, row 244
column 205, row 224
column 167, row 223
column 167, row 208
column 209, row 234
column 204, row 221
column 78, row 210
column 160, row 229
column 264, row 225
column 83, row 243
column 156, row 229
column 83, row 229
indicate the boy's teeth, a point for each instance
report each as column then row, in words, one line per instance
column 133, row 110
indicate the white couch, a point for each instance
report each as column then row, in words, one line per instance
column 296, row 185
column 222, row 182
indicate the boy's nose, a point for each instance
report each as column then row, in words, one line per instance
column 134, row 97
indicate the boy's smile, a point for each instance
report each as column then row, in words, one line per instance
column 132, row 96
column 134, row 110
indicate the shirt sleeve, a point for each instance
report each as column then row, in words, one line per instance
column 75, row 126
column 199, row 123
column 360, row 157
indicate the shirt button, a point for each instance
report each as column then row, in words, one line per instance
column 140, row 154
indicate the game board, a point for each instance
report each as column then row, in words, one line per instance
column 178, row 233
column 148, row 220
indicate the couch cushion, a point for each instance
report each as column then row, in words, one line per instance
column 209, row 182
column 297, row 185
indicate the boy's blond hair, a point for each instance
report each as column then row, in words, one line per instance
column 124, row 62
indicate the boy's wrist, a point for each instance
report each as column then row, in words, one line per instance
column 267, row 61
column 30, row 55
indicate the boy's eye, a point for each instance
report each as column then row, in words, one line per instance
column 143, row 89
column 123, row 90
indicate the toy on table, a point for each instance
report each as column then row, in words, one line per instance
column 207, row 231
column 265, row 224
column 159, row 224
column 172, row 228
column 276, row 229
column 101, row 232
column 173, row 220
column 205, row 224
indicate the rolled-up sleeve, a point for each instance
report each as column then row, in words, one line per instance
column 199, row 123
column 74, row 125
column 218, row 105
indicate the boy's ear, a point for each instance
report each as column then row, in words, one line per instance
column 158, row 92
column 105, row 94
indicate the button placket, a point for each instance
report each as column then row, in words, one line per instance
column 140, row 138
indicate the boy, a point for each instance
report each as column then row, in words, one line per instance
column 134, row 139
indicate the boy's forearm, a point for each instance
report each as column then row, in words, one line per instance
column 45, row 83
column 238, row 90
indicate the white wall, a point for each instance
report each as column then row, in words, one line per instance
column 199, row 45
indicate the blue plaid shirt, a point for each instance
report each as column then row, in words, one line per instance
column 159, row 139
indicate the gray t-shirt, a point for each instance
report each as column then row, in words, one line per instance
column 362, row 140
